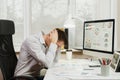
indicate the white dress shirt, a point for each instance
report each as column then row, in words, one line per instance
column 34, row 56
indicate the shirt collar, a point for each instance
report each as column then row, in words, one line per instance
column 41, row 38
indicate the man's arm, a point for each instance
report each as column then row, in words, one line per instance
column 34, row 49
column 57, row 55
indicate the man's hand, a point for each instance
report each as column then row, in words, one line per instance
column 54, row 36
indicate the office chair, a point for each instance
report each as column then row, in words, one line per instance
column 8, row 59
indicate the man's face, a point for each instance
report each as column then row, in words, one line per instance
column 60, row 43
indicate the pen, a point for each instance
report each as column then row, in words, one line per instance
column 109, row 61
column 103, row 62
column 100, row 61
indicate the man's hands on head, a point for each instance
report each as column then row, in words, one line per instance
column 54, row 36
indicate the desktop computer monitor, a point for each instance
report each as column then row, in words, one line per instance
column 98, row 36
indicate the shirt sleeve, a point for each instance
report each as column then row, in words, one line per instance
column 57, row 55
column 34, row 48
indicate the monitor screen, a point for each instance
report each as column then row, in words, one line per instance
column 99, row 35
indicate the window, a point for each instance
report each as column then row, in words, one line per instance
column 48, row 14
column 31, row 16
column 91, row 10
column 13, row 10
column 84, row 10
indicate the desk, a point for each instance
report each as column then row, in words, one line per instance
column 77, row 69
column 77, row 54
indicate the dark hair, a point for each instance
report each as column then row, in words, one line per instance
column 62, row 36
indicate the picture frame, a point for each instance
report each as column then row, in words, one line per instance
column 115, row 62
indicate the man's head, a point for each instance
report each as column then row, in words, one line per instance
column 57, row 36
column 62, row 38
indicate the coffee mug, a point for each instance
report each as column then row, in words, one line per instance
column 69, row 54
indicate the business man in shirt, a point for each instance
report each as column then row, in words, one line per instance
column 38, row 51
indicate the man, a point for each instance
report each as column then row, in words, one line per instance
column 38, row 51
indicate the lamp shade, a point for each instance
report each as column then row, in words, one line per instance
column 69, row 23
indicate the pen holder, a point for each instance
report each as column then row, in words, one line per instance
column 105, row 70
column 69, row 54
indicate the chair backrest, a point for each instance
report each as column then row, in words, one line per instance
column 8, row 59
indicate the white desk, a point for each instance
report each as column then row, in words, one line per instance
column 77, row 69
